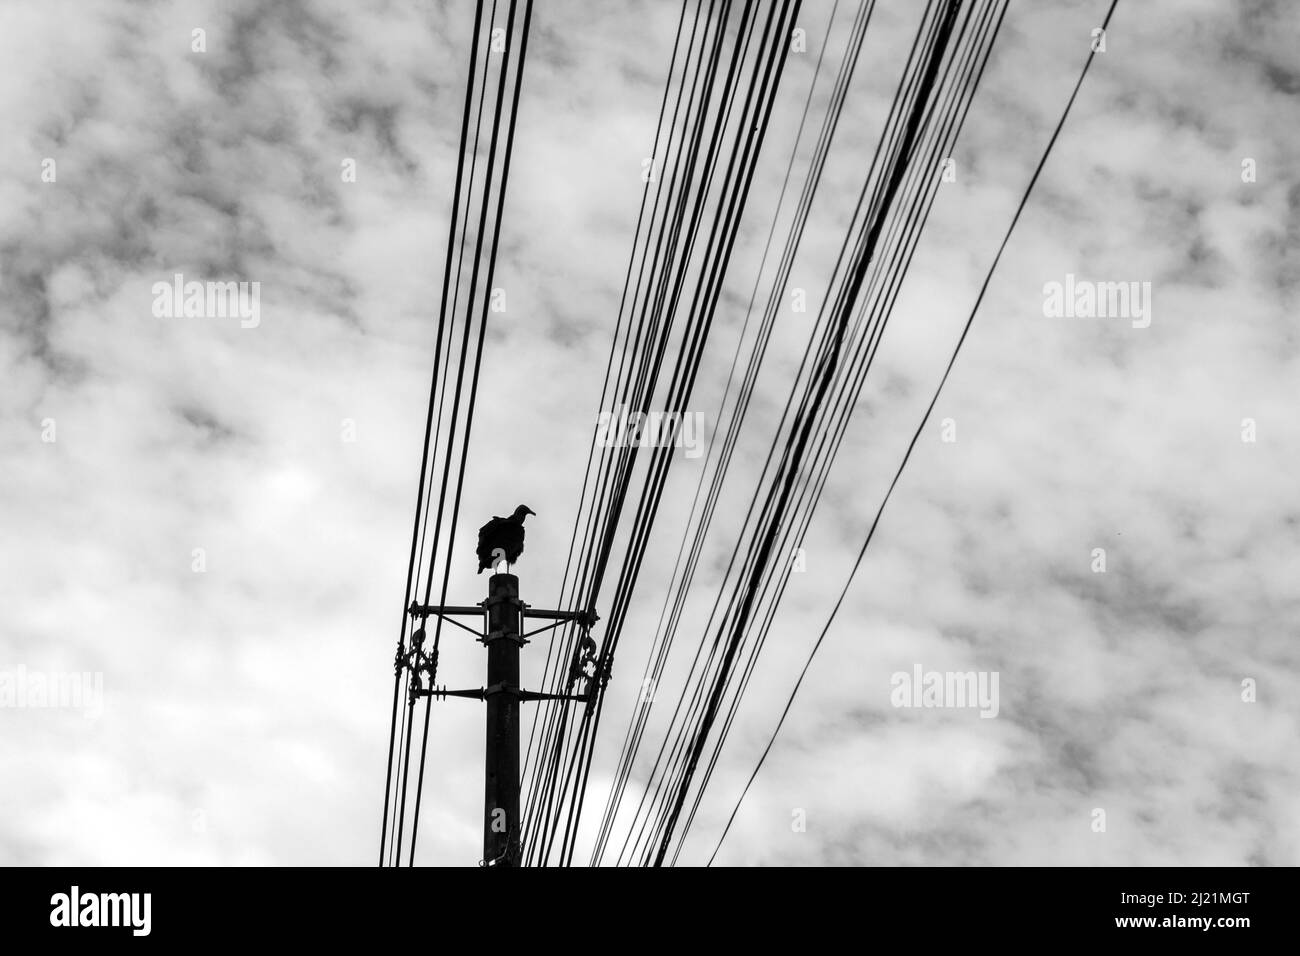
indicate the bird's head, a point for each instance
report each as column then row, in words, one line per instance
column 521, row 511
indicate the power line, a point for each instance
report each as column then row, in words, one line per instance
column 414, row 658
column 428, row 426
column 920, row 427
column 478, row 352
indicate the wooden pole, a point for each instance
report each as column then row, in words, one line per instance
column 501, row 790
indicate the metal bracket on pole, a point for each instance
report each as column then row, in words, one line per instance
column 500, row 635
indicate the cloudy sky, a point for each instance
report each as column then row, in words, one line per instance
column 246, row 704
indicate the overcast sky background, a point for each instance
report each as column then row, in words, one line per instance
column 246, row 708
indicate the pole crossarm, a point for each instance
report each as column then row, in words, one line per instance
column 448, row 612
column 587, row 618
column 532, row 695
column 443, row 610
column 483, row 693
column 441, row 692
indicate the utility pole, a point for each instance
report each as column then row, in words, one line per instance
column 504, row 615
column 501, row 763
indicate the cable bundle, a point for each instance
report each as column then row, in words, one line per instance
column 451, row 410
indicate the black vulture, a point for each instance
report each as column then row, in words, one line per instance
column 502, row 539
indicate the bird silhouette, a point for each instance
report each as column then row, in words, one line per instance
column 502, row 539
